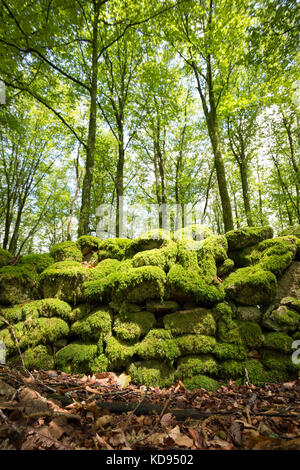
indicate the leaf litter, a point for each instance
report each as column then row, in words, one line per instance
column 53, row 410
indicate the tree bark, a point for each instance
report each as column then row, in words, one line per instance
column 83, row 227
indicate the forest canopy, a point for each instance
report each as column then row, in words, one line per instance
column 191, row 105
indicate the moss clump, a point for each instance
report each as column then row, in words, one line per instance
column 5, row 257
column 278, row 341
column 80, row 312
column 64, row 280
column 251, row 286
column 66, row 251
column 42, row 331
column 281, row 319
column 113, row 248
column 88, row 244
column 195, row 232
column 39, row 358
column 39, row 308
column 195, row 344
column 247, row 236
column 245, row 257
column 164, row 257
column 94, row 326
column 161, row 308
column 231, row 369
column 227, row 329
column 103, row 269
column 224, row 351
column 187, row 258
column 197, row 321
column 99, row 364
column 7, row 337
column 291, row 230
column 151, row 373
column 188, row 285
column 77, row 357
column 18, row 284
column 37, row 262
column 137, row 284
column 132, row 326
column 153, row 239
column 226, row 268
column 158, row 345
column 217, row 246
column 201, row 381
column 276, row 360
column 249, row 313
column 118, row 353
column 277, row 254
column 192, row 365
column 251, row 334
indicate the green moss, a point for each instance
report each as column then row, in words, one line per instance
column 5, row 257
column 251, row 286
column 151, row 373
column 88, row 243
column 225, row 351
column 66, row 251
column 248, row 313
column 251, row 334
column 192, row 365
column 226, row 268
column 39, row 358
column 42, row 331
column 164, row 257
column 188, row 285
column 276, row 360
column 231, row 369
column 281, row 319
column 103, row 269
column 197, row 321
column 99, row 364
column 187, row 258
column 39, row 308
column 201, row 381
column 137, row 284
column 227, row 329
column 18, row 284
column 95, row 325
column 161, row 308
column 114, row 248
column 80, row 312
column 246, row 256
column 37, row 262
column 193, row 232
column 277, row 254
column 7, row 337
column 132, row 326
column 77, row 357
column 278, row 341
column 292, row 230
column 118, row 353
column 64, row 280
column 217, row 246
column 195, row 344
column 247, row 236
column 156, row 346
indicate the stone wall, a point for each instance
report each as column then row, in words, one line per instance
column 187, row 306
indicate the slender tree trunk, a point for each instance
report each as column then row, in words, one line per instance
column 83, row 227
column 120, row 182
column 245, row 189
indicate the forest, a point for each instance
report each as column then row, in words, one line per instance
column 149, row 225
column 133, row 103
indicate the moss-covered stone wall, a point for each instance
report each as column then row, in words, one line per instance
column 189, row 306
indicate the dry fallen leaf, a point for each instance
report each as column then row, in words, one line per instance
column 123, row 380
column 179, row 438
column 103, row 421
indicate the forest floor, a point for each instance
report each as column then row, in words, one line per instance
column 56, row 411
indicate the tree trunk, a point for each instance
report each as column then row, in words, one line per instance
column 120, row 182
column 83, row 227
column 245, row 188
